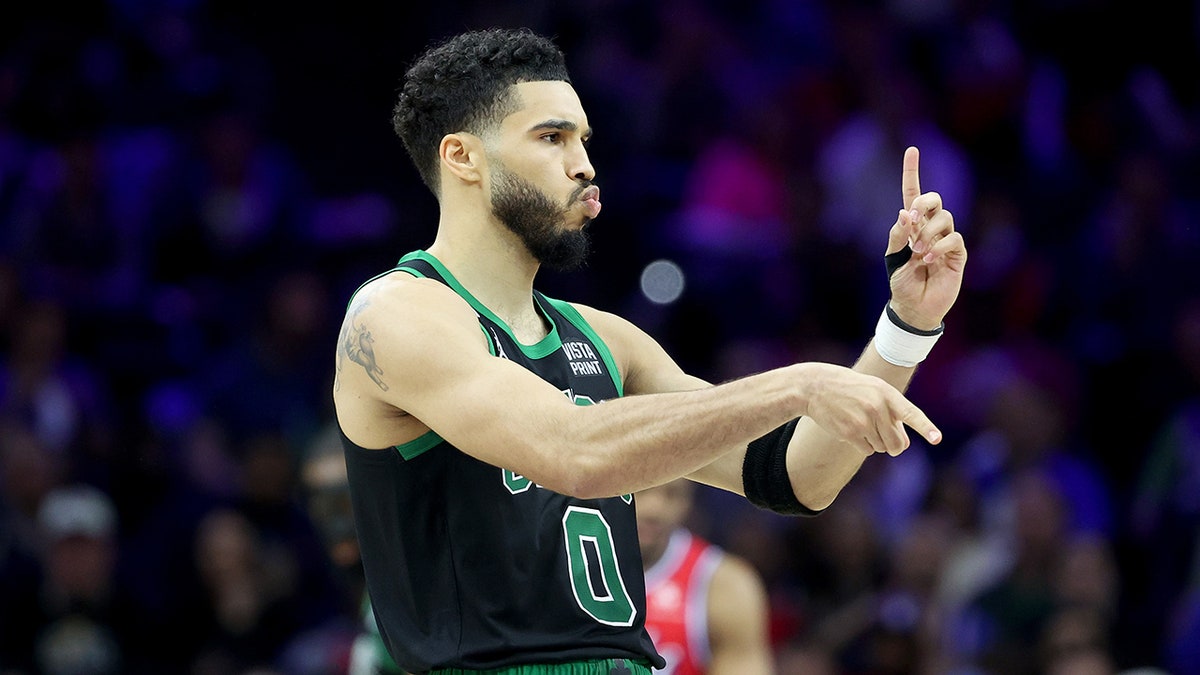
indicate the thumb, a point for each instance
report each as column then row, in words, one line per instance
column 898, row 236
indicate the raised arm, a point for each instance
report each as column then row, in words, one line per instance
column 925, row 258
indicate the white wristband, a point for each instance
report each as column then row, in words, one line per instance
column 901, row 344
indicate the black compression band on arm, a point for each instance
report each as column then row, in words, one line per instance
column 765, row 477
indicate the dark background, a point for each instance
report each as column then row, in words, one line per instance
column 190, row 190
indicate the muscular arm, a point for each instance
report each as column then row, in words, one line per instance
column 431, row 363
column 737, row 621
column 819, row 463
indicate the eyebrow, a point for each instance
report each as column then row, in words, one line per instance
column 561, row 125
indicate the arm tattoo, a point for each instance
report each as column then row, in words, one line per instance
column 356, row 344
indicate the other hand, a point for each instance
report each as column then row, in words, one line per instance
column 925, row 287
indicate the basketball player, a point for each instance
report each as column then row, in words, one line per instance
column 494, row 436
column 706, row 610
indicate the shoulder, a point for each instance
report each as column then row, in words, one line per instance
column 409, row 295
column 406, row 322
column 398, row 308
column 608, row 325
column 401, row 337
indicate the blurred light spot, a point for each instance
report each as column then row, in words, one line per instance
column 662, row 282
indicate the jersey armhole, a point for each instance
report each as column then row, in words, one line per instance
column 418, row 445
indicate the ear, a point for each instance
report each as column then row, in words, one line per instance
column 462, row 156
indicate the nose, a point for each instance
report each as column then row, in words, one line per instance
column 579, row 166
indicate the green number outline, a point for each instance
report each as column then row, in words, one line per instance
column 581, row 525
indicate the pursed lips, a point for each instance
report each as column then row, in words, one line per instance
column 591, row 200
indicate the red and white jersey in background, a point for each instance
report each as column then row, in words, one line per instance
column 676, row 603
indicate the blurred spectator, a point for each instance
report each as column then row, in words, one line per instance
column 54, row 393
column 841, row 571
column 29, row 470
column 1166, row 510
column 248, row 613
column 733, row 235
column 85, row 624
column 1028, row 420
column 1008, row 618
column 1087, row 578
column 327, row 499
column 28, row 473
column 290, row 542
column 266, row 381
column 244, row 192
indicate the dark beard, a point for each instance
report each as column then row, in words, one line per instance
column 539, row 222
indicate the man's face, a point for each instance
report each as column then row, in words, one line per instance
column 541, row 178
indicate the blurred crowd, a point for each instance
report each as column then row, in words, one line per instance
column 190, row 190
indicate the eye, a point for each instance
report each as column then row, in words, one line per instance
column 552, row 137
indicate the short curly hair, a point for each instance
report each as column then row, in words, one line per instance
column 464, row 84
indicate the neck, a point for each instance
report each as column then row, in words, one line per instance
column 493, row 264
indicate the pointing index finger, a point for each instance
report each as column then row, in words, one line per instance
column 910, row 180
column 917, row 421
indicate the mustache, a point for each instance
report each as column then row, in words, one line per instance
column 577, row 192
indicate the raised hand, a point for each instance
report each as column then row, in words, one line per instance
column 925, row 287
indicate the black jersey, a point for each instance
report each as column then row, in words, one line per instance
column 471, row 565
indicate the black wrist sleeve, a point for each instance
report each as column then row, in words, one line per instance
column 765, row 477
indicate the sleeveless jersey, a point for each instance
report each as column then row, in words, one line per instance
column 470, row 565
column 677, row 602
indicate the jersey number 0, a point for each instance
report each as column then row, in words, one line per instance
column 599, row 592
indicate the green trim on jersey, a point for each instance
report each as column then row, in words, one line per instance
column 419, row 444
column 568, row 310
column 543, row 348
column 417, row 273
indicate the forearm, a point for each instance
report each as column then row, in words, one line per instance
column 629, row 444
column 819, row 464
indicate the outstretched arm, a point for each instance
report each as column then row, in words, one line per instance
column 432, row 365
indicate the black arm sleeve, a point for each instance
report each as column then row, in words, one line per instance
column 764, row 473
